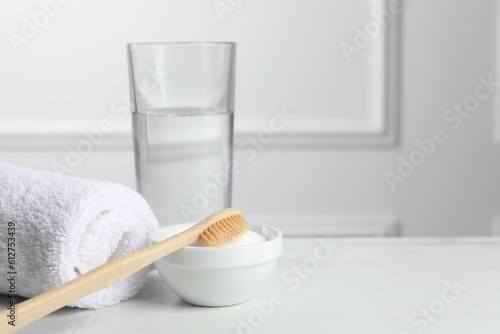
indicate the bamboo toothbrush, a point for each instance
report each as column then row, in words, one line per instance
column 214, row 231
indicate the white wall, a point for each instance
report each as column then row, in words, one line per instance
column 325, row 173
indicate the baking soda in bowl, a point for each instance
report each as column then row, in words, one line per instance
column 247, row 239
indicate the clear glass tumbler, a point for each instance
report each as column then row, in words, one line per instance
column 182, row 112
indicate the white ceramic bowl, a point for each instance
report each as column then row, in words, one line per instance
column 218, row 276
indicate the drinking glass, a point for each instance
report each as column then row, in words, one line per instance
column 182, row 97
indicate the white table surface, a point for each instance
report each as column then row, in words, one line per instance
column 386, row 286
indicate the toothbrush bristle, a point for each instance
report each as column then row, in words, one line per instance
column 224, row 230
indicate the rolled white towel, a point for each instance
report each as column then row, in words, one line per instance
column 66, row 226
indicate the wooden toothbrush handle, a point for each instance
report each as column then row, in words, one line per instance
column 95, row 280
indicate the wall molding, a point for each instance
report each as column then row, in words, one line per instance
column 17, row 139
column 123, row 140
column 380, row 129
column 333, row 225
column 57, row 138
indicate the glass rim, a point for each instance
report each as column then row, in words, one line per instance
column 129, row 45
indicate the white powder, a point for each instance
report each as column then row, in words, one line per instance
column 249, row 238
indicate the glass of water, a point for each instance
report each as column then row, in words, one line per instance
column 182, row 98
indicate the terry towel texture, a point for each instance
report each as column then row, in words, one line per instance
column 66, row 226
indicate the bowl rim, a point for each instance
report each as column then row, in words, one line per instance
column 224, row 257
column 154, row 239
